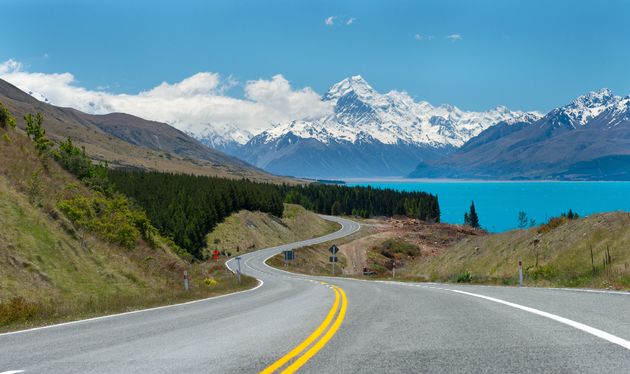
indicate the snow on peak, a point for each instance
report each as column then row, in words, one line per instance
column 355, row 84
column 589, row 106
column 361, row 114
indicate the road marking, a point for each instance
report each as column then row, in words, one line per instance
column 580, row 326
column 12, row 372
column 308, row 341
column 322, row 342
column 260, row 283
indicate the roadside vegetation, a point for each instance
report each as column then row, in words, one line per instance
column 71, row 247
column 567, row 251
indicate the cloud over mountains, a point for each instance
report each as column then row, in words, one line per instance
column 192, row 104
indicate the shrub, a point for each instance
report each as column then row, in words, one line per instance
column 6, row 119
column 110, row 218
column 36, row 132
column 210, row 282
column 464, row 277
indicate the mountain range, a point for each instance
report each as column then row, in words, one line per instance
column 588, row 139
column 366, row 134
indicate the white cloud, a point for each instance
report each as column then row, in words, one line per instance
column 350, row 21
column 195, row 104
column 454, row 37
column 330, row 20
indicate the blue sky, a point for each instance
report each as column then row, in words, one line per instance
column 530, row 55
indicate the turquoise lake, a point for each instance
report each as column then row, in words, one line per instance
column 498, row 203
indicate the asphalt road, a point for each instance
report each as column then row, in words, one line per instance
column 349, row 326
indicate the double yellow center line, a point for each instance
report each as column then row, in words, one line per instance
column 311, row 341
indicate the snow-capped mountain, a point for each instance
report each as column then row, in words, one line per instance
column 370, row 134
column 392, row 118
column 588, row 138
column 583, row 109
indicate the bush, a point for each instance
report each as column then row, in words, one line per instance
column 6, row 119
column 110, row 218
column 210, row 282
column 392, row 247
column 464, row 277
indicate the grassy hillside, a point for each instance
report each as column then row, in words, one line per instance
column 247, row 231
column 52, row 269
column 553, row 255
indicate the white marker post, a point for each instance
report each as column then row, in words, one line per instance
column 186, row 280
column 520, row 272
column 238, row 271
column 394, row 270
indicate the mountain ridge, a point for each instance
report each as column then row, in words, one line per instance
column 369, row 134
column 587, row 139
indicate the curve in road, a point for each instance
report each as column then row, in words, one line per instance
column 287, row 324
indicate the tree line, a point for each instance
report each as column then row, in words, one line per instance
column 364, row 201
column 186, row 207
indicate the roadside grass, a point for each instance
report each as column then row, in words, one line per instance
column 246, row 231
column 557, row 256
column 18, row 313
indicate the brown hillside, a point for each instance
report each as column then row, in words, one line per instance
column 127, row 141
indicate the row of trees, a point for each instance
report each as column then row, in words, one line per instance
column 364, row 201
column 187, row 207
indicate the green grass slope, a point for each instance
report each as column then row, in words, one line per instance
column 553, row 255
column 247, row 231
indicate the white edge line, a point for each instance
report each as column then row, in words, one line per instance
column 260, row 283
column 359, row 225
column 12, row 372
column 580, row 326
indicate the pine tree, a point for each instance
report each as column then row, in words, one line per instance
column 474, row 219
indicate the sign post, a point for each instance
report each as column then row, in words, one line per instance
column 186, row 280
column 288, row 256
column 520, row 272
column 333, row 258
column 238, row 269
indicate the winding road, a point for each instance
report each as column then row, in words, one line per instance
column 292, row 322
